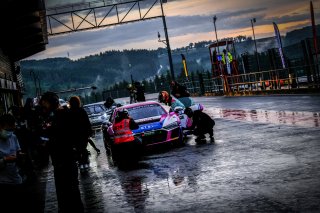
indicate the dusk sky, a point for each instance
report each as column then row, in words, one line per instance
column 188, row 21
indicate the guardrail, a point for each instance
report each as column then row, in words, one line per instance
column 299, row 77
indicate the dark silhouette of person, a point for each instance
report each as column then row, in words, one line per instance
column 201, row 123
column 133, row 93
column 62, row 146
column 140, row 92
column 178, row 90
column 80, row 130
column 109, row 103
column 26, row 144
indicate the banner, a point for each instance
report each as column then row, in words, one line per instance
column 278, row 37
column 184, row 62
column 314, row 31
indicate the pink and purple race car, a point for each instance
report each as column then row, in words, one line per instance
column 156, row 125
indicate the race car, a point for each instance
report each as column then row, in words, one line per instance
column 156, row 125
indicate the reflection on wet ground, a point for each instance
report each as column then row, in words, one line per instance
column 251, row 167
column 303, row 119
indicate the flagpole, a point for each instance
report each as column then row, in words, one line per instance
column 315, row 43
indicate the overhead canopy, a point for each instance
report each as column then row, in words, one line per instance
column 24, row 28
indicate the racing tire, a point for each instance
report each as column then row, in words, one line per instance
column 181, row 140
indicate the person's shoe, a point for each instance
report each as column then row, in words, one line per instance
column 86, row 166
column 81, row 166
column 211, row 139
column 200, row 138
column 211, row 135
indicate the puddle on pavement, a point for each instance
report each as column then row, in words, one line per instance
column 304, row 119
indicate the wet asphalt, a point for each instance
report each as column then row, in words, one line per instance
column 265, row 158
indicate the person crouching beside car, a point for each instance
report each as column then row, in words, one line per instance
column 201, row 124
column 123, row 135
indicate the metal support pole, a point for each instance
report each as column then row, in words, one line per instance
column 39, row 86
column 167, row 42
column 215, row 30
column 255, row 43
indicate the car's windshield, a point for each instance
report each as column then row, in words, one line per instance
column 145, row 111
column 94, row 109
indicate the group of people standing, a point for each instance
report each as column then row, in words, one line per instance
column 64, row 133
column 136, row 91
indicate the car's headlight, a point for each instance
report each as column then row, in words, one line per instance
column 104, row 116
column 171, row 125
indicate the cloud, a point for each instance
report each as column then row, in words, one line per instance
column 187, row 21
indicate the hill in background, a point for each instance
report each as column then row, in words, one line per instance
column 106, row 69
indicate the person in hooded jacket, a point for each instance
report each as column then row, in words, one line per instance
column 202, row 123
column 80, row 130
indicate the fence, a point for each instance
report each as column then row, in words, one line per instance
column 297, row 77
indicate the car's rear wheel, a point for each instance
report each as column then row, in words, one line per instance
column 114, row 151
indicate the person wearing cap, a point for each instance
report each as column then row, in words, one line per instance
column 202, row 123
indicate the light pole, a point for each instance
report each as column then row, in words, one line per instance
column 255, row 43
column 131, row 74
column 215, row 30
column 166, row 41
column 39, row 85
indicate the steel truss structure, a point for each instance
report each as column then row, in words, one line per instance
column 98, row 14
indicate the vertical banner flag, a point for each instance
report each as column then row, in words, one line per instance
column 278, row 37
column 184, row 65
column 314, row 31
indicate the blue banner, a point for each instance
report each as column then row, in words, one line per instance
column 278, row 37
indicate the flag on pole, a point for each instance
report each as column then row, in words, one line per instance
column 184, row 62
column 278, row 37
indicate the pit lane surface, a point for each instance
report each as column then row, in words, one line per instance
column 265, row 158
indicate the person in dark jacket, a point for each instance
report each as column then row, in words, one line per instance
column 80, row 131
column 140, row 92
column 62, row 145
column 178, row 90
column 109, row 103
column 201, row 123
